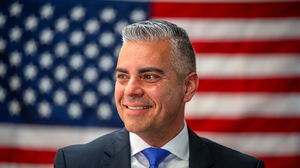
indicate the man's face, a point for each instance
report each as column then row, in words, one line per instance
column 147, row 92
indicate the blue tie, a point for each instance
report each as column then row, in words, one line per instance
column 155, row 156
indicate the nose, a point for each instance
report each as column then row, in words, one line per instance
column 133, row 88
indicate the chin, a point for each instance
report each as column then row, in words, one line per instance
column 133, row 127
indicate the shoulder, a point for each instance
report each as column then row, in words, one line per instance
column 219, row 155
column 223, row 155
column 86, row 154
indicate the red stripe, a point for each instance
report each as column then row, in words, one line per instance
column 249, row 85
column 280, row 162
column 278, row 125
column 226, row 10
column 284, row 46
column 26, row 156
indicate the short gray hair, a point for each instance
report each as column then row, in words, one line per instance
column 182, row 58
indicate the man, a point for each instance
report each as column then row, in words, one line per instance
column 156, row 76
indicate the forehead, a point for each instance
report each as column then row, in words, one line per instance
column 144, row 53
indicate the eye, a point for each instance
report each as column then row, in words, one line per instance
column 120, row 76
column 150, row 78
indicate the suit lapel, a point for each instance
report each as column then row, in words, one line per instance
column 199, row 153
column 118, row 150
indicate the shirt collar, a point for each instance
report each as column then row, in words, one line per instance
column 181, row 151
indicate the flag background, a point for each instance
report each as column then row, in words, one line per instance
column 57, row 63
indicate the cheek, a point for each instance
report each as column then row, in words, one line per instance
column 156, row 93
column 160, row 95
column 118, row 96
column 172, row 96
column 119, row 91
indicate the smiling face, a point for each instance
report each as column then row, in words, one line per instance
column 149, row 98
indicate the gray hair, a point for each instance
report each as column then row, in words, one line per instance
column 182, row 54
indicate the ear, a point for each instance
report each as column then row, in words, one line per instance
column 191, row 85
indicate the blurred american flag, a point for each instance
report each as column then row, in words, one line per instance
column 57, row 61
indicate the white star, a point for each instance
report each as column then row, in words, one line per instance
column 60, row 97
column 46, row 36
column 47, row 11
column 108, row 14
column 45, row 84
column 138, row 15
column 76, row 37
column 105, row 86
column 2, row 70
column 77, row 13
column 15, row 9
column 76, row 61
column 75, row 85
column 15, row 34
column 106, row 39
column 90, row 74
column 104, row 111
column 120, row 25
column 2, row 94
column 61, row 49
column 14, row 83
column 62, row 24
column 14, row 108
column 15, row 58
column 30, row 47
column 106, row 63
column 2, row 45
column 75, row 111
column 30, row 72
column 89, row 98
column 60, row 73
column 91, row 50
column 44, row 109
column 46, row 60
column 29, row 97
column 92, row 26
column 31, row 22
column 2, row 20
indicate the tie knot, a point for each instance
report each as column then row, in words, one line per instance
column 155, row 156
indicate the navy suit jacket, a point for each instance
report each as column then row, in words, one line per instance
column 113, row 151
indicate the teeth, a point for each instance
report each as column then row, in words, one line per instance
column 139, row 108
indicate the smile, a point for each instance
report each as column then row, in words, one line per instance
column 139, row 108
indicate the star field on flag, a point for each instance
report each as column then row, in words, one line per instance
column 58, row 60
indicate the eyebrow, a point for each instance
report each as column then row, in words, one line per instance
column 143, row 70
column 121, row 70
column 151, row 69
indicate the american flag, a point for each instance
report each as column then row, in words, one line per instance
column 57, row 62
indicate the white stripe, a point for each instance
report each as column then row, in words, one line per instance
column 248, row 66
column 210, row 105
column 24, row 165
column 259, row 144
column 238, row 29
column 41, row 137
column 272, row 144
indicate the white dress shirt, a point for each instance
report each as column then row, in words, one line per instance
column 178, row 146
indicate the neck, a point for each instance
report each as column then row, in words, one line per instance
column 162, row 136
